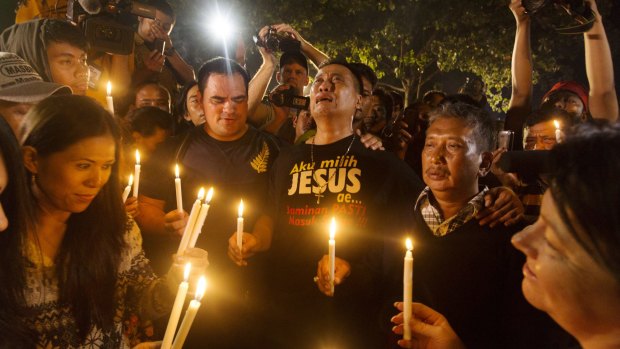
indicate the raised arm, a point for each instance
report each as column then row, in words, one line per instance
column 521, row 68
column 316, row 57
column 603, row 102
column 257, row 112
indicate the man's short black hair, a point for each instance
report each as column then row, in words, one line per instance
column 428, row 96
column 547, row 113
column 344, row 63
column 64, row 32
column 366, row 72
column 147, row 120
column 478, row 120
column 164, row 6
column 294, row 57
column 221, row 65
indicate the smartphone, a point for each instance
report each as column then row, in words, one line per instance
column 505, row 139
column 160, row 46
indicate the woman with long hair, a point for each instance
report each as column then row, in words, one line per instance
column 15, row 216
column 84, row 258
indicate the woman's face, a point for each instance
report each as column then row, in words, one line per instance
column 4, row 180
column 195, row 114
column 560, row 277
column 69, row 180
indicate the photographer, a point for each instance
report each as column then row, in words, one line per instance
column 599, row 103
column 155, row 57
column 292, row 75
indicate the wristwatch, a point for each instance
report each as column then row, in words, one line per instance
column 169, row 51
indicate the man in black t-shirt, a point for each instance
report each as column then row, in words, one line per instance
column 233, row 158
column 332, row 174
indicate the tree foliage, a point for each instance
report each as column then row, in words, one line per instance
column 410, row 42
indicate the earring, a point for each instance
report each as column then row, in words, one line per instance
column 33, row 178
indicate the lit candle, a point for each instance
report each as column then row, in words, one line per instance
column 136, row 176
column 175, row 315
column 200, row 221
column 109, row 99
column 240, row 226
column 190, row 314
column 189, row 228
column 558, row 132
column 407, row 289
column 332, row 253
column 177, row 187
column 127, row 188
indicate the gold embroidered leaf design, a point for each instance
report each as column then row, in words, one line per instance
column 261, row 160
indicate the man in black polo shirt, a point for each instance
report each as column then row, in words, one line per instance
column 233, row 158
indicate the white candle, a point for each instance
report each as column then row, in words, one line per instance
column 407, row 289
column 240, row 226
column 109, row 98
column 189, row 228
column 200, row 221
column 558, row 132
column 127, row 188
column 177, row 188
column 190, row 314
column 136, row 176
column 175, row 315
column 332, row 253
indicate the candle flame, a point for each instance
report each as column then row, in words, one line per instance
column 409, row 244
column 209, row 196
column 200, row 289
column 176, row 170
column 109, row 88
column 201, row 193
column 241, row 208
column 137, row 157
column 130, row 180
column 188, row 268
column 332, row 229
column 557, row 124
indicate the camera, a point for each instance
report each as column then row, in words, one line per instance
column 105, row 24
column 274, row 41
column 579, row 10
column 287, row 98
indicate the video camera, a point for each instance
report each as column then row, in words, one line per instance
column 288, row 98
column 275, row 41
column 582, row 15
column 103, row 24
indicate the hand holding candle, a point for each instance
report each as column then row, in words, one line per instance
column 200, row 221
column 136, row 176
column 109, row 98
column 127, row 188
column 191, row 221
column 240, row 227
column 177, row 188
column 332, row 253
column 173, row 321
column 407, row 288
column 190, row 314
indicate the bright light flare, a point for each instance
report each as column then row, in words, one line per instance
column 240, row 208
column 222, row 25
column 409, row 244
column 200, row 289
column 332, row 229
column 188, row 268
column 557, row 124
column 209, row 195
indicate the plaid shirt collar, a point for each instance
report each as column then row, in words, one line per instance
column 432, row 216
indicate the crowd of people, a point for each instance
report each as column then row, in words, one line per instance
column 504, row 256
